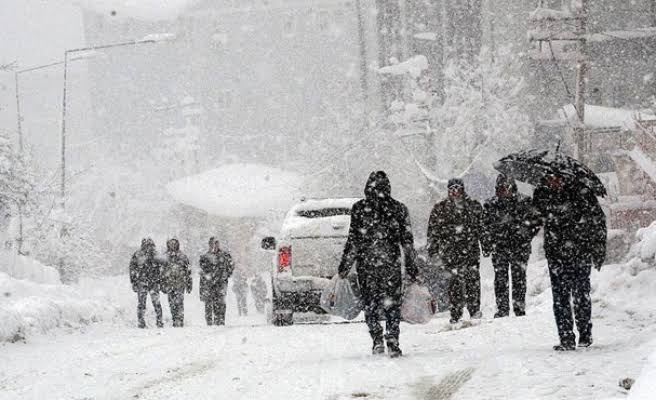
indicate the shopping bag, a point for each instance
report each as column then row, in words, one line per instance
column 342, row 297
column 418, row 306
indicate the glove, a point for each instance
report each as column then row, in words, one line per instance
column 486, row 254
column 134, row 287
column 343, row 274
column 597, row 267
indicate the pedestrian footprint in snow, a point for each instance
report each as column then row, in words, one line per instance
column 145, row 279
column 455, row 229
column 574, row 242
column 380, row 230
column 176, row 279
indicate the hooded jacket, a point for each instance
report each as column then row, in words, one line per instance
column 455, row 229
column 176, row 273
column 510, row 220
column 145, row 267
column 379, row 235
column 215, row 269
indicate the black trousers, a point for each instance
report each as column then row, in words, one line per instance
column 516, row 263
column 176, row 303
column 215, row 309
column 379, row 305
column 142, row 296
column 464, row 289
column 571, row 284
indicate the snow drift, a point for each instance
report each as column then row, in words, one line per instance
column 29, row 308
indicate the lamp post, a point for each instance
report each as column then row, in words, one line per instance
column 84, row 53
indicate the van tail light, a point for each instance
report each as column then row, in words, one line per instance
column 284, row 258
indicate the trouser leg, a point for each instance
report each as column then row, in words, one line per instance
column 560, row 287
column 500, row 264
column 518, row 271
column 220, row 310
column 582, row 302
column 157, row 305
column 473, row 289
column 142, row 296
column 209, row 310
column 372, row 311
column 392, row 309
column 456, row 295
column 176, row 302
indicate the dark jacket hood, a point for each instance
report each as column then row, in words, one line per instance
column 378, row 186
column 173, row 245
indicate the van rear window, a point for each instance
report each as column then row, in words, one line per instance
column 323, row 212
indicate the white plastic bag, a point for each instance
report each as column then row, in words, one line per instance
column 418, row 306
column 342, row 297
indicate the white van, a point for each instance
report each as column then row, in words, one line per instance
column 308, row 251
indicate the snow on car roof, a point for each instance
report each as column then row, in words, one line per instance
column 318, row 204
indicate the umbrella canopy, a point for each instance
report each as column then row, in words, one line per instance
column 531, row 166
column 239, row 190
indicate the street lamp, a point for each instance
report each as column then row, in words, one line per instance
column 84, row 53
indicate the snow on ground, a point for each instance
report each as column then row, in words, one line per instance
column 490, row 359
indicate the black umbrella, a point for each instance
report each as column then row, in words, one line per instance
column 531, row 166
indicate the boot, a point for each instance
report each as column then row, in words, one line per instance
column 585, row 341
column 565, row 346
column 477, row 315
column 378, row 347
column 393, row 348
column 500, row 314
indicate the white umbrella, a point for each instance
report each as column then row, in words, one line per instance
column 239, row 190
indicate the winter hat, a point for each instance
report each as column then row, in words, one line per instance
column 455, row 182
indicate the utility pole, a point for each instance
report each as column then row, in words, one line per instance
column 581, row 18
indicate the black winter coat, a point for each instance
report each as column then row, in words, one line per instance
column 455, row 229
column 380, row 231
column 510, row 224
column 574, row 226
column 176, row 273
column 145, row 271
column 215, row 269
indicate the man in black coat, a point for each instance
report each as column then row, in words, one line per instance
column 145, row 277
column 574, row 242
column 176, row 279
column 215, row 268
column 454, row 233
column 510, row 223
column 380, row 231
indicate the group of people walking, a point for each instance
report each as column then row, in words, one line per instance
column 170, row 273
column 459, row 229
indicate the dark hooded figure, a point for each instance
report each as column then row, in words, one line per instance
column 574, row 242
column 454, row 231
column 380, row 231
column 145, row 277
column 176, row 279
column 510, row 224
column 215, row 268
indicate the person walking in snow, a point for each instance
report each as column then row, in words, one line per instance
column 454, row 232
column 574, row 242
column 510, row 224
column 145, row 279
column 215, row 268
column 379, row 234
column 176, row 279
column 259, row 292
column 240, row 288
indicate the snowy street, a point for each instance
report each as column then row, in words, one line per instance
column 495, row 359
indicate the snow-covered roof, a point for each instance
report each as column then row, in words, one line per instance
column 413, row 66
column 239, row 190
column 600, row 117
column 640, row 33
column 546, row 14
column 148, row 10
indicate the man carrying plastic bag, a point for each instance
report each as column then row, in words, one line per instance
column 379, row 239
column 418, row 305
column 342, row 297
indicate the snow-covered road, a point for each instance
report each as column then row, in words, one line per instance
column 498, row 359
